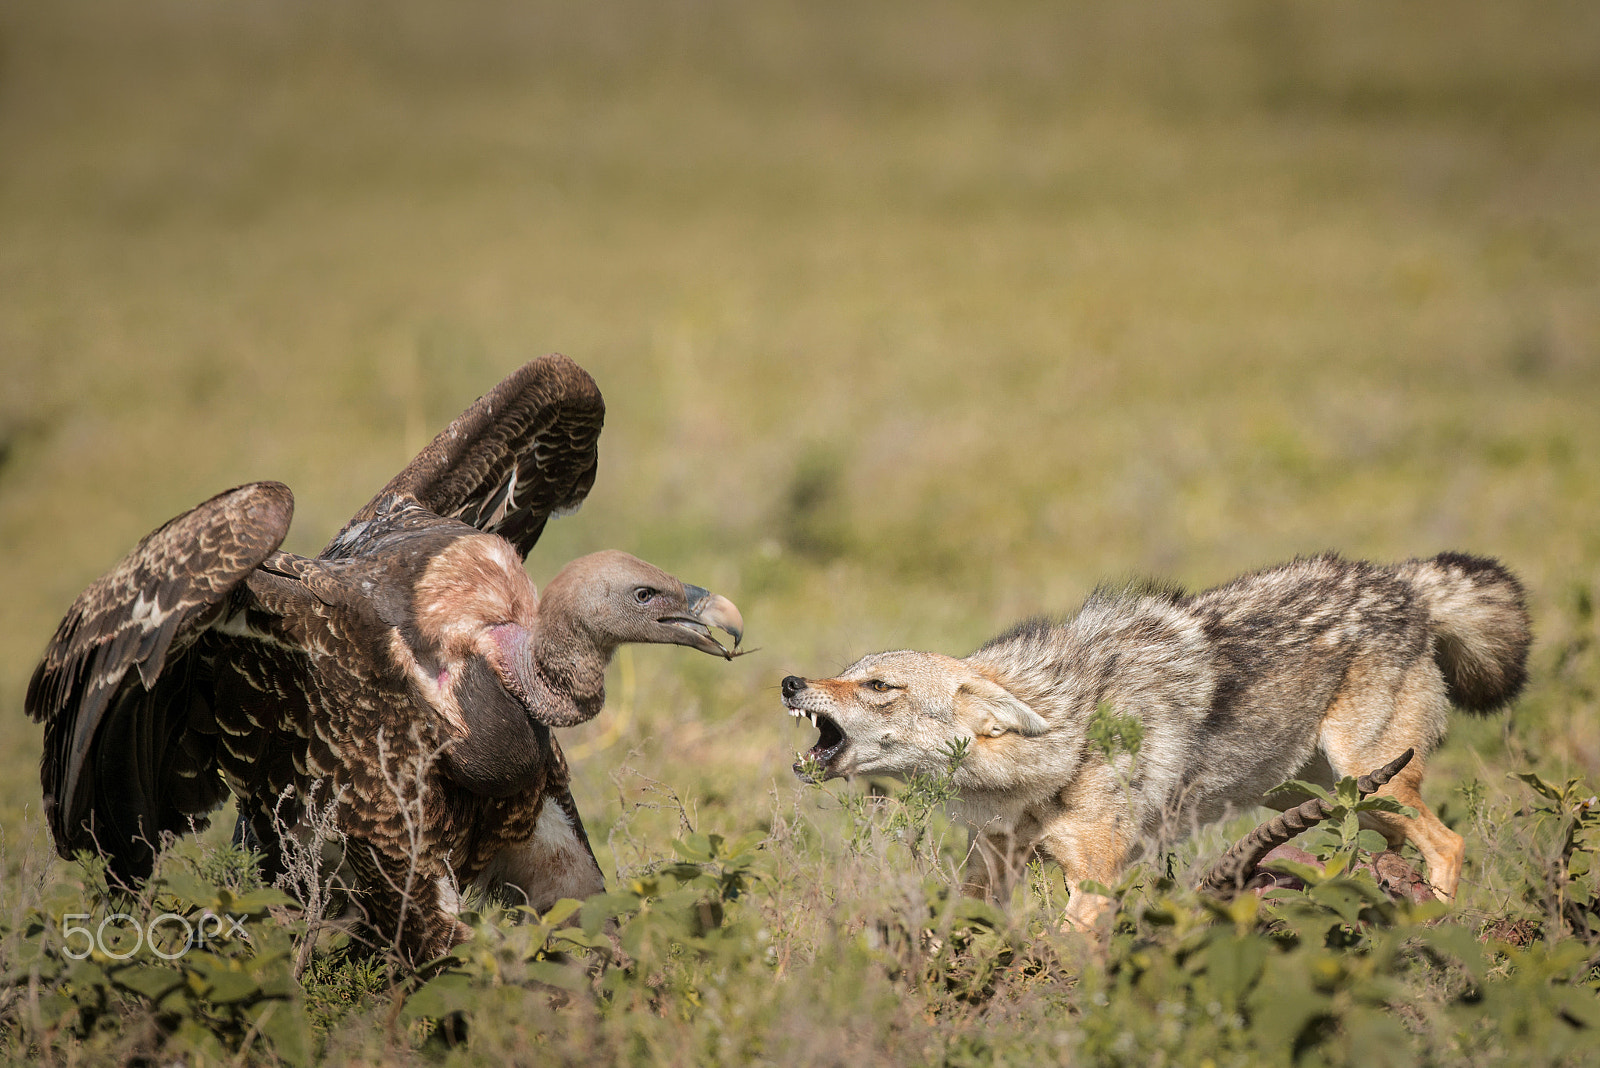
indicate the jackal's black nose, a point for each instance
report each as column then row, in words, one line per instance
column 793, row 684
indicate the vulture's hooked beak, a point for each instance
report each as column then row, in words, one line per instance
column 707, row 610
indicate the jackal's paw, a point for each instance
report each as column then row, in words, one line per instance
column 1085, row 911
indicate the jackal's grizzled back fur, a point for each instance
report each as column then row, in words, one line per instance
column 1469, row 611
column 1231, row 682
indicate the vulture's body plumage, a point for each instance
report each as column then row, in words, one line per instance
column 408, row 676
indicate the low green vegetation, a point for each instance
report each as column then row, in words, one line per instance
column 731, row 952
column 913, row 319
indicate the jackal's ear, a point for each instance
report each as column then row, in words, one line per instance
column 993, row 710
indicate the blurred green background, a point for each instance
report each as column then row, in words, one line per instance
column 911, row 318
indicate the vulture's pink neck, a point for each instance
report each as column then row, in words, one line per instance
column 571, row 663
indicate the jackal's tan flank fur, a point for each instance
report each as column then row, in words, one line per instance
column 1315, row 670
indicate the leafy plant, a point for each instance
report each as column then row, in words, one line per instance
column 1114, row 733
column 663, row 925
column 205, row 960
column 1341, row 832
column 1570, row 814
column 1336, row 973
column 911, row 818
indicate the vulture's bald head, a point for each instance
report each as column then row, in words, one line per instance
column 484, row 637
column 554, row 673
column 611, row 598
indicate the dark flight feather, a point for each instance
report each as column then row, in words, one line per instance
column 151, row 606
column 524, row 451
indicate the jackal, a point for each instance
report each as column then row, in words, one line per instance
column 1316, row 669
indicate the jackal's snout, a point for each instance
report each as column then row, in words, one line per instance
column 806, row 702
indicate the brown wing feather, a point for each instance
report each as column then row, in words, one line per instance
column 141, row 617
column 526, row 449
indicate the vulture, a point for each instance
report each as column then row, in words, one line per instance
column 404, row 682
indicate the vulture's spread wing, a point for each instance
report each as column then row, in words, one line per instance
column 114, row 688
column 525, row 450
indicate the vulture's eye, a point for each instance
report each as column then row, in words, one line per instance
column 878, row 686
column 644, row 594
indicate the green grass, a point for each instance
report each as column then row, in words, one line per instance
column 912, row 319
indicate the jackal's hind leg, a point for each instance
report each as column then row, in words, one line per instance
column 1442, row 848
column 1368, row 726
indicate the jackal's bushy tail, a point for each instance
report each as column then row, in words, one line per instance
column 1481, row 629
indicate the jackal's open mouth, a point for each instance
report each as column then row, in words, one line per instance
column 831, row 738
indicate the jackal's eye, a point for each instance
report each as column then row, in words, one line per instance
column 878, row 686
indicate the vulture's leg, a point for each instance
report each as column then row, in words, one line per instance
column 412, row 906
column 554, row 862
